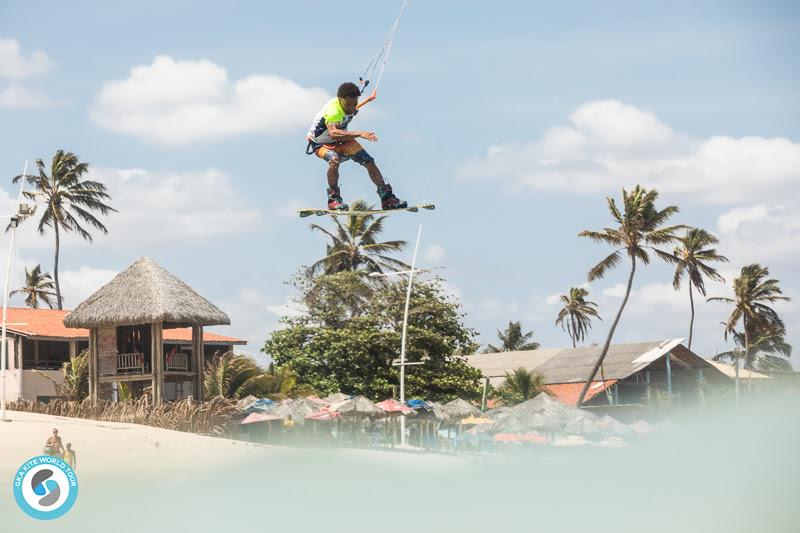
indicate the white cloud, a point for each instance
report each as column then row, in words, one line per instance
column 610, row 144
column 161, row 208
column 19, row 97
column 77, row 285
column 179, row 102
column 764, row 234
column 434, row 254
column 15, row 65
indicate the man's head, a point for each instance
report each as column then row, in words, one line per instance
column 348, row 94
column 55, row 432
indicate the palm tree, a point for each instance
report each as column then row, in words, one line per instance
column 521, row 385
column 74, row 382
column 768, row 349
column 513, row 339
column 639, row 227
column 752, row 290
column 575, row 316
column 235, row 376
column 38, row 288
column 691, row 258
column 68, row 199
column 353, row 245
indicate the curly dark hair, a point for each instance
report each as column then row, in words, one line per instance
column 348, row 90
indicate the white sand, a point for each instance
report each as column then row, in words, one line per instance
column 119, row 447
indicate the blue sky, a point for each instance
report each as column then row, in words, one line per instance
column 516, row 118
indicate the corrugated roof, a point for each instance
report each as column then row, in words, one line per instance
column 50, row 323
column 572, row 365
column 730, row 371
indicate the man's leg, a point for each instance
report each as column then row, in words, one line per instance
column 333, row 172
column 374, row 173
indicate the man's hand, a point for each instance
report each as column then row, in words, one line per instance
column 369, row 135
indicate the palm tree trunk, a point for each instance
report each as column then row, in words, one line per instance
column 55, row 267
column 610, row 334
column 574, row 331
column 691, row 321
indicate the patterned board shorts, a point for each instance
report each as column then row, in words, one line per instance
column 344, row 151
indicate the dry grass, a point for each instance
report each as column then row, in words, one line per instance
column 214, row 417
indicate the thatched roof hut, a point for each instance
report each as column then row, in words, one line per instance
column 458, row 409
column 126, row 319
column 145, row 293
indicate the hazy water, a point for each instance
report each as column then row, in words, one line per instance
column 714, row 472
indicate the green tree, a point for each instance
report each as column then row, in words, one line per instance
column 752, row 290
column 576, row 316
column 512, row 339
column 768, row 348
column 236, row 376
column 74, row 384
column 639, row 227
column 350, row 335
column 353, row 245
column 68, row 200
column 521, row 385
column 691, row 257
column 38, row 288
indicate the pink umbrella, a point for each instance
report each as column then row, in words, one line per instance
column 535, row 438
column 393, row 406
column 252, row 418
column 507, row 437
column 324, row 414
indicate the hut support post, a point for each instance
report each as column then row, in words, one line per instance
column 93, row 364
column 647, row 378
column 157, row 351
column 669, row 376
column 700, row 384
column 197, row 353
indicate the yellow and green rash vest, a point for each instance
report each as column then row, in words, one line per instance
column 331, row 113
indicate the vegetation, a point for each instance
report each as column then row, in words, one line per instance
column 521, row 385
column 691, row 257
column 512, row 339
column 753, row 291
column 235, row 376
column 639, row 228
column 769, row 350
column 354, row 246
column 68, row 201
column 576, row 316
column 38, row 288
column 350, row 335
column 75, row 373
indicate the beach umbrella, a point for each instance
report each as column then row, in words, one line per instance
column 252, row 418
column 336, row 398
column 323, row 414
column 507, row 437
column 357, row 406
column 535, row 438
column 571, row 440
column 476, row 421
column 393, row 406
column 458, row 409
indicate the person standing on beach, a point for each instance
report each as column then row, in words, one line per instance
column 70, row 457
column 54, row 447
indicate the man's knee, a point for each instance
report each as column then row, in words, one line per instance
column 333, row 163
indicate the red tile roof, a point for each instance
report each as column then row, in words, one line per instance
column 568, row 392
column 50, row 323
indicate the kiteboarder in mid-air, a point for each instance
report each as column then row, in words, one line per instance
column 330, row 140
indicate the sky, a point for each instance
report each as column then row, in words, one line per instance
column 518, row 119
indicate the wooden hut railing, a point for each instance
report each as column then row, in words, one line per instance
column 177, row 361
column 130, row 362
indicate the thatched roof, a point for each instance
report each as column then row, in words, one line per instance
column 357, row 406
column 458, row 409
column 145, row 293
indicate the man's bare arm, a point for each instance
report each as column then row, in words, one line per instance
column 340, row 134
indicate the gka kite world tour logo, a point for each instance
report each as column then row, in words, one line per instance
column 45, row 487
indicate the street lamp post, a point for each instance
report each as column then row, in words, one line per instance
column 4, row 349
column 402, row 363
